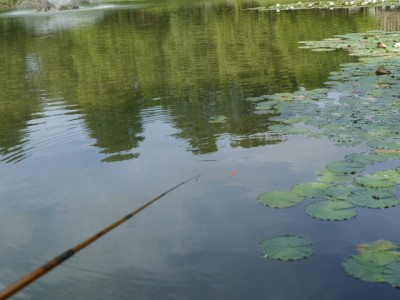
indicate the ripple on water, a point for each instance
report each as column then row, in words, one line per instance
column 55, row 126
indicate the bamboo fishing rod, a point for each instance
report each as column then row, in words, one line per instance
column 56, row 261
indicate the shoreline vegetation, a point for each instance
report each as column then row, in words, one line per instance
column 331, row 5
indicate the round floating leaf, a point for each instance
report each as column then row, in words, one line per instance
column 345, row 167
column 378, row 261
column 332, row 177
column 282, row 97
column 389, row 153
column 360, row 267
column 340, row 191
column 365, row 158
column 310, row 189
column 379, row 245
column 331, row 210
column 382, row 144
column 286, row 247
column 373, row 198
column 391, row 274
column 381, row 179
column 279, row 199
column 265, row 105
column 381, row 258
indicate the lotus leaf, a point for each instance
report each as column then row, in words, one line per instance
column 365, row 158
column 282, row 97
column 345, row 167
column 373, row 198
column 279, row 199
column 286, row 247
column 310, row 189
column 381, row 144
column 340, row 191
column 378, row 261
column 388, row 153
column 331, row 210
column 265, row 105
column 379, row 245
column 364, row 269
column 391, row 274
column 381, row 258
column 381, row 179
column 332, row 177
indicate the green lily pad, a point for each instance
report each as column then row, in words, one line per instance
column 331, row 210
column 310, row 189
column 362, row 268
column 280, row 199
column 286, row 247
column 381, row 179
column 265, row 105
column 379, row 245
column 365, row 158
column 389, row 153
column 345, row 167
column 377, row 261
column 391, row 274
column 373, row 198
column 332, row 177
column 340, row 191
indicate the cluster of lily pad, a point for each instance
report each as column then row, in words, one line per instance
column 357, row 107
column 340, row 188
column 327, row 5
column 377, row 261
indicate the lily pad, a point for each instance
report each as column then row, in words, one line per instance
column 265, row 105
column 362, row 268
column 331, row 210
column 381, row 179
column 280, row 199
column 389, row 153
column 391, row 274
column 365, row 158
column 377, row 261
column 332, row 177
column 340, row 191
column 379, row 245
column 310, row 189
column 286, row 247
column 345, row 167
column 373, row 198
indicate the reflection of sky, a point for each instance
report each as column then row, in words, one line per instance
column 53, row 20
column 199, row 242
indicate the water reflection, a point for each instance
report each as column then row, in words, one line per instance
column 200, row 64
column 161, row 94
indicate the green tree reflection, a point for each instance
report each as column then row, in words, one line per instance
column 200, row 62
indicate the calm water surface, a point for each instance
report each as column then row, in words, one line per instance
column 104, row 108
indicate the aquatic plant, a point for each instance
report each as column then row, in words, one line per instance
column 330, row 5
column 286, row 247
column 331, row 210
column 280, row 199
column 359, row 106
column 377, row 261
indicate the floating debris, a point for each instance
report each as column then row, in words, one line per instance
column 382, row 71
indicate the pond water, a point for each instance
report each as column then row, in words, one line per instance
column 104, row 108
